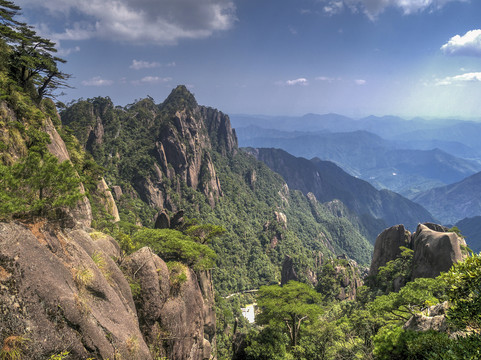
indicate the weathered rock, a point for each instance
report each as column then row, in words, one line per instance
column 177, row 219
column 107, row 200
column 387, row 246
column 176, row 316
column 288, row 272
column 435, row 252
column 435, row 319
column 162, row 221
column 117, row 192
column 64, row 293
column 81, row 214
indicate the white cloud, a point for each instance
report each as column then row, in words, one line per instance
column 155, row 79
column 469, row 44
column 360, row 82
column 459, row 79
column 372, row 8
column 325, row 78
column 140, row 64
column 97, row 81
column 68, row 51
column 141, row 21
column 151, row 80
column 334, row 7
column 299, row 81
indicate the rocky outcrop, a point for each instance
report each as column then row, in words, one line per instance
column 435, row 249
column 63, row 290
column 435, row 252
column 288, row 272
column 176, row 141
column 107, row 200
column 387, row 246
column 176, row 307
column 432, row 319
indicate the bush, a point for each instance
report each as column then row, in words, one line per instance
column 172, row 245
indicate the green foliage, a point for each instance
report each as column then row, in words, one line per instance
column 413, row 298
column 394, row 343
column 37, row 185
column 63, row 355
column 464, row 292
column 32, row 65
column 172, row 245
column 288, row 307
column 267, row 344
column 398, row 270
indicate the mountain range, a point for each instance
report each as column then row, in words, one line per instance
column 368, row 156
column 375, row 209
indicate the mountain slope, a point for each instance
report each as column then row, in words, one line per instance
column 179, row 155
column 471, row 230
column 327, row 182
column 453, row 202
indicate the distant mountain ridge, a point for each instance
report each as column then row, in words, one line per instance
column 328, row 182
column 453, row 202
column 368, row 156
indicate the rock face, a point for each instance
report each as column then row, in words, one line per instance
column 175, row 139
column 387, row 246
column 107, row 200
column 57, row 296
column 288, row 272
column 435, row 249
column 176, row 317
column 433, row 319
column 63, row 290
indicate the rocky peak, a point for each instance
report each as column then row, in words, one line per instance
column 179, row 99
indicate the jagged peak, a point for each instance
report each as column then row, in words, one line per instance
column 179, row 99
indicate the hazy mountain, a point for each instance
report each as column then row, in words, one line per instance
column 471, row 230
column 453, row 202
column 370, row 157
column 327, row 182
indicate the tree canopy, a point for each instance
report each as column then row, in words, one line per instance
column 31, row 61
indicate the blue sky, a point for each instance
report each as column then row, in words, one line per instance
column 275, row 57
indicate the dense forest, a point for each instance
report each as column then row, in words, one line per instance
column 184, row 189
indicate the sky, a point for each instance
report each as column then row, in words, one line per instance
column 274, row 57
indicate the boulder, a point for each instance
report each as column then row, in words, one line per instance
column 435, row 251
column 434, row 319
column 63, row 292
column 387, row 246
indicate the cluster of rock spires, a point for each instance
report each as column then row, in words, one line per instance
column 65, row 287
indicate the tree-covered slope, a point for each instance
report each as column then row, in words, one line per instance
column 179, row 155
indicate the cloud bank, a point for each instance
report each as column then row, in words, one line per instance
column 97, row 81
column 140, row 21
column 469, row 44
column 459, row 79
column 372, row 8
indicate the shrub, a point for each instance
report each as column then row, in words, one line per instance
column 172, row 245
